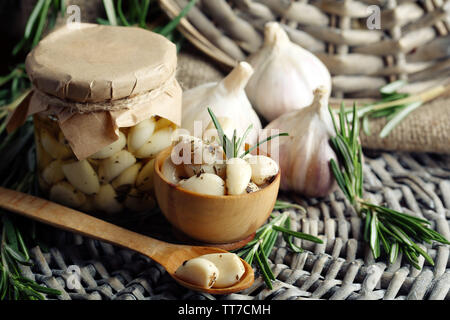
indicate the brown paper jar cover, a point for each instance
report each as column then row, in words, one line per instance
column 95, row 79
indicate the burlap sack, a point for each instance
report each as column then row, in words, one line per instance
column 427, row 129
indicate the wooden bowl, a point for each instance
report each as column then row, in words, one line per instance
column 213, row 219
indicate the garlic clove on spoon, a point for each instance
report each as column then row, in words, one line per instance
column 304, row 156
column 284, row 75
column 227, row 99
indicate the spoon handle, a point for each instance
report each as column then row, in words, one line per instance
column 65, row 218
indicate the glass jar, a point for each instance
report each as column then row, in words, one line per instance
column 105, row 102
column 117, row 178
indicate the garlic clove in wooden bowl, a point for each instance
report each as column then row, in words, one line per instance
column 210, row 218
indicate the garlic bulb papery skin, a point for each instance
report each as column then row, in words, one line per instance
column 227, row 99
column 285, row 75
column 304, row 156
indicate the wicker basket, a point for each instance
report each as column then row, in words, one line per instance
column 412, row 42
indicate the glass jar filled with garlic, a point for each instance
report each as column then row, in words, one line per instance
column 105, row 102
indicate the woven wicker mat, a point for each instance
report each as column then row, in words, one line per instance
column 340, row 268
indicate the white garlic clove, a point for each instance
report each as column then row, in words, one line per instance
column 230, row 268
column 55, row 149
column 65, row 194
column 53, row 173
column 192, row 150
column 144, row 181
column 106, row 200
column 159, row 141
column 198, row 271
column 111, row 149
column 239, row 173
column 172, row 172
column 82, row 176
column 205, row 183
column 127, row 178
column 252, row 187
column 138, row 201
column 263, row 168
column 140, row 134
column 43, row 159
column 115, row 165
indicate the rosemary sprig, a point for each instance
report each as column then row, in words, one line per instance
column 384, row 229
column 394, row 106
column 233, row 146
column 258, row 250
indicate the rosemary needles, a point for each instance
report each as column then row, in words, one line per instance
column 384, row 229
column 258, row 250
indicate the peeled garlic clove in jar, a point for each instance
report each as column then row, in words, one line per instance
column 172, row 172
column 199, row 272
column 82, row 176
column 115, row 165
column 55, row 149
column 263, row 168
column 144, row 180
column 230, row 268
column 106, row 200
column 64, row 193
column 53, row 172
column 127, row 178
column 159, row 141
column 140, row 134
column 111, row 149
column 239, row 173
column 205, row 183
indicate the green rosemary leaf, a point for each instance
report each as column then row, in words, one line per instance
column 398, row 118
column 266, row 264
column 284, row 134
column 373, row 236
column 102, row 21
column 43, row 289
column 384, row 240
column 41, row 24
column 33, row 18
column 110, row 12
column 288, row 238
column 16, row 255
column 340, row 180
column 367, row 221
column 423, row 253
column 279, row 205
column 263, row 271
column 173, row 24
column 394, row 212
column 10, row 233
column 244, row 136
column 392, row 87
column 299, row 235
column 269, row 242
column 143, row 13
column 354, row 130
column 342, row 121
column 120, row 13
column 393, row 254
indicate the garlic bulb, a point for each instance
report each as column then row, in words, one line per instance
column 227, row 99
column 304, row 156
column 284, row 75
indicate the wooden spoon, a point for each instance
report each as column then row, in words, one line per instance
column 169, row 255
